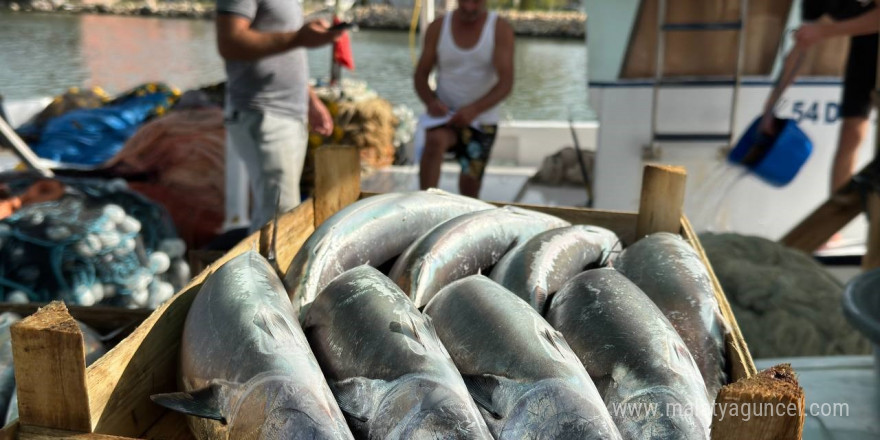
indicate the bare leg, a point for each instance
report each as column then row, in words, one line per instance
column 852, row 132
column 469, row 185
column 437, row 141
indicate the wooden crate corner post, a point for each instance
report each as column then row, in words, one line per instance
column 662, row 200
column 768, row 405
column 50, row 370
column 337, row 179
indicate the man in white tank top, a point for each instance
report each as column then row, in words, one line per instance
column 472, row 51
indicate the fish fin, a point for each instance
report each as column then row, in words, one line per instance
column 558, row 342
column 200, row 403
column 481, row 389
column 355, row 396
column 407, row 329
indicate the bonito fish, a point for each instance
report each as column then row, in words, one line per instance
column 464, row 246
column 388, row 370
column 246, row 367
column 369, row 231
column 537, row 268
column 672, row 274
column 635, row 357
column 522, row 373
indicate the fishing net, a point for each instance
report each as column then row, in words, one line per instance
column 99, row 243
column 785, row 303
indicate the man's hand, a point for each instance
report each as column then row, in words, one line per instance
column 810, row 34
column 463, row 117
column 316, row 33
column 319, row 118
column 437, row 108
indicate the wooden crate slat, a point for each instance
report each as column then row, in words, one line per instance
column 339, row 182
column 39, row 433
column 50, row 370
column 662, row 200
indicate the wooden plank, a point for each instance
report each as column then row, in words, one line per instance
column 337, row 180
column 830, row 217
column 146, row 361
column 871, row 260
column 38, row 433
column 172, row 426
column 50, row 370
column 10, row 431
column 742, row 407
column 738, row 356
column 662, row 202
column 101, row 318
column 706, row 53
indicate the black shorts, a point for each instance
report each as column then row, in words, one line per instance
column 473, row 148
column 860, row 77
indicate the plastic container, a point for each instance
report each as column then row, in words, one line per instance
column 775, row 159
column 861, row 306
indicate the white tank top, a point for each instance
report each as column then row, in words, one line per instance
column 465, row 75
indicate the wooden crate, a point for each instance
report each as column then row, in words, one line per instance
column 112, row 399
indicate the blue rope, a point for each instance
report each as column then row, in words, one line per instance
column 94, row 251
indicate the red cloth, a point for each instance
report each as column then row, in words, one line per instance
column 342, row 54
column 183, row 153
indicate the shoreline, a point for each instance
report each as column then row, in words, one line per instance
column 561, row 24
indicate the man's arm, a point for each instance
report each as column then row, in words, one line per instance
column 320, row 118
column 503, row 61
column 811, row 33
column 237, row 41
column 423, row 69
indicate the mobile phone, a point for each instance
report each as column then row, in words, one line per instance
column 342, row 25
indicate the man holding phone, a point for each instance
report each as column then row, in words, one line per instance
column 268, row 100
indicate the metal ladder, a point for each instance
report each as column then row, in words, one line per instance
column 728, row 138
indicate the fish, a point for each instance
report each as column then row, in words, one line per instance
column 521, row 372
column 465, row 245
column 642, row 368
column 370, row 231
column 246, row 367
column 389, row 371
column 672, row 274
column 7, row 374
column 537, row 268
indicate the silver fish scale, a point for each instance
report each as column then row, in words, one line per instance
column 464, row 246
column 537, row 268
column 530, row 382
column 388, row 369
column 240, row 333
column 369, row 231
column 672, row 274
column 634, row 355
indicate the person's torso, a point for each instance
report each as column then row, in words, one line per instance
column 836, row 9
column 277, row 83
column 465, row 75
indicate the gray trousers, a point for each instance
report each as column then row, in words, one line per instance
column 273, row 148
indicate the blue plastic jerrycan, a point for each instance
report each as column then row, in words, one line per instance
column 775, row 159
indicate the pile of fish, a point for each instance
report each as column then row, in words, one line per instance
column 428, row 315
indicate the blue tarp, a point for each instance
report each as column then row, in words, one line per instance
column 93, row 136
